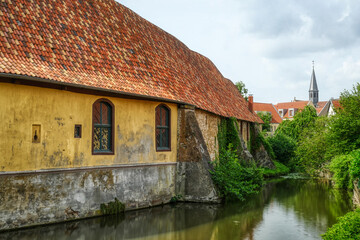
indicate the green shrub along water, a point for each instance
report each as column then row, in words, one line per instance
column 283, row 147
column 346, row 169
column 234, row 177
column 347, row 227
column 280, row 170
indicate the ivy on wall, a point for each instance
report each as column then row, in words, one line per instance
column 234, row 178
column 228, row 133
column 257, row 140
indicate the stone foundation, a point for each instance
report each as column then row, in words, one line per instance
column 39, row 198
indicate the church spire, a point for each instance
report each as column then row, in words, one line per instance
column 313, row 90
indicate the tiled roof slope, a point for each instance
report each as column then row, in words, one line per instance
column 268, row 107
column 102, row 44
column 299, row 105
column 295, row 104
column 336, row 103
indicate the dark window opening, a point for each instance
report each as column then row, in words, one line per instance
column 103, row 127
column 77, row 131
column 162, row 122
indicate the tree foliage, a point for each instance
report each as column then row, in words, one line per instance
column 344, row 127
column 266, row 117
column 346, row 169
column 283, row 147
column 312, row 145
column 302, row 120
column 242, row 89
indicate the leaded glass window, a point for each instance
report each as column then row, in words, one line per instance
column 162, row 119
column 102, row 127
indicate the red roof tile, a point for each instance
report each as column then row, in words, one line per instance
column 336, row 103
column 268, row 107
column 296, row 104
column 320, row 106
column 299, row 105
column 102, row 44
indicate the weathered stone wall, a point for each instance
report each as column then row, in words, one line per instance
column 356, row 197
column 38, row 198
column 193, row 179
column 261, row 156
column 208, row 124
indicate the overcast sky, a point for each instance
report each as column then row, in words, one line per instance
column 269, row 45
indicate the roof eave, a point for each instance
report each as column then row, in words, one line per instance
column 85, row 87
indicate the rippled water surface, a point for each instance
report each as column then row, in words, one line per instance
column 284, row 209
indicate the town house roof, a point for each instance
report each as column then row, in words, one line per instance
column 104, row 45
column 268, row 107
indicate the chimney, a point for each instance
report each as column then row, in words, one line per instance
column 250, row 102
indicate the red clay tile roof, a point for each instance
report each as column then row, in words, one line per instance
column 268, row 107
column 298, row 105
column 336, row 103
column 320, row 106
column 102, row 44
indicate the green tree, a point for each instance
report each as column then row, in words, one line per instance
column 312, row 146
column 344, row 126
column 283, row 147
column 302, row 120
column 266, row 117
column 242, row 89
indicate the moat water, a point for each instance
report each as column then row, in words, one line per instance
column 285, row 209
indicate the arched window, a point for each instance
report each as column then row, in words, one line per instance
column 162, row 122
column 103, row 119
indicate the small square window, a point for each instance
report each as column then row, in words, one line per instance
column 77, row 131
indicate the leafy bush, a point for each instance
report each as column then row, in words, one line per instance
column 283, row 147
column 355, row 165
column 340, row 166
column 347, row 227
column 280, row 170
column 233, row 179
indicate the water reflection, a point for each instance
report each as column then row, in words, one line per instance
column 285, row 209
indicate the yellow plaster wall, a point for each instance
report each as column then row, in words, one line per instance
column 57, row 112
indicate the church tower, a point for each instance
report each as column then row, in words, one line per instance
column 313, row 91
